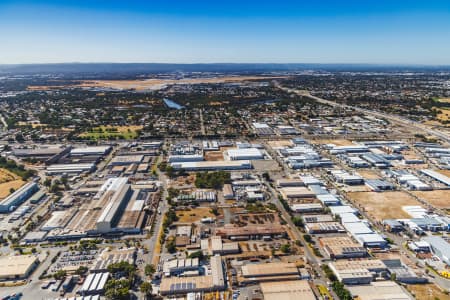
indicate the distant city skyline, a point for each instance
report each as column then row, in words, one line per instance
column 374, row 32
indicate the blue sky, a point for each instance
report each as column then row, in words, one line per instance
column 364, row 31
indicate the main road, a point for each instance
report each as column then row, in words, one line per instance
column 393, row 118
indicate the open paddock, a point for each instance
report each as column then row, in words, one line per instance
column 368, row 174
column 437, row 198
column 383, row 205
column 280, row 143
column 337, row 142
column 427, row 291
column 194, row 215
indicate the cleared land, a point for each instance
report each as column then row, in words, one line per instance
column 194, row 215
column 8, row 181
column 444, row 172
column 369, row 174
column 437, row 198
column 444, row 115
column 337, row 142
column 427, row 291
column 385, row 205
column 280, row 144
column 105, row 132
column 152, row 84
column 213, row 155
column 444, row 100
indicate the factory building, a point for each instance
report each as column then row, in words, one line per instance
column 48, row 155
column 185, row 158
column 125, row 160
column 285, row 290
column 379, row 290
column 17, row 267
column 11, row 202
column 357, row 271
column 196, row 284
column 86, row 151
column 70, row 169
column 180, row 266
column 116, row 192
column 440, row 247
column 342, row 247
column 94, row 284
column 212, row 165
column 250, row 232
column 437, row 176
column 244, row 154
column 275, row 271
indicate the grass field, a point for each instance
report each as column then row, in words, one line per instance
column 437, row 198
column 427, row 291
column 107, row 132
column 385, row 205
column 194, row 215
column 9, row 180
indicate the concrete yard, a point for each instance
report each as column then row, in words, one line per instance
column 386, row 205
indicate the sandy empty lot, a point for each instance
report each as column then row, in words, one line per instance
column 194, row 215
column 437, row 198
column 160, row 83
column 9, row 180
column 153, row 83
column 368, row 174
column 427, row 291
column 213, row 155
column 337, row 142
column 444, row 172
column 280, row 143
column 385, row 205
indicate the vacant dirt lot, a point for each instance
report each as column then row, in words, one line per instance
column 158, row 83
column 444, row 172
column 194, row 215
column 214, row 155
column 369, row 174
column 444, row 100
column 8, row 181
column 427, row 291
column 337, row 142
column 437, row 198
column 280, row 144
column 385, row 205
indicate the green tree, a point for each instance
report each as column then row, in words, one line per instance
column 146, row 289
column 286, row 248
column 59, row 274
column 118, row 289
column 149, row 270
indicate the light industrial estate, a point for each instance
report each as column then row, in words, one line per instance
column 281, row 185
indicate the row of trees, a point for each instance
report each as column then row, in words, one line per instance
column 212, row 180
